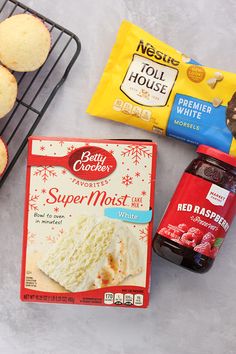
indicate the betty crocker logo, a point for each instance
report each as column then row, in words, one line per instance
column 91, row 163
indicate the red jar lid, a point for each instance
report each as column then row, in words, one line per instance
column 217, row 154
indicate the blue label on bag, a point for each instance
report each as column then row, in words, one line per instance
column 134, row 216
column 199, row 122
column 193, row 62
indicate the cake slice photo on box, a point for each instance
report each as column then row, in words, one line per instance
column 96, row 253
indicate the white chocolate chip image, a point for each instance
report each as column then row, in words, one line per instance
column 216, row 101
column 211, row 82
column 218, row 76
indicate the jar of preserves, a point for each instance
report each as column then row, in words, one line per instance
column 200, row 212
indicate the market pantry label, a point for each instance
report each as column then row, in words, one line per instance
column 217, row 195
column 148, row 82
column 88, row 221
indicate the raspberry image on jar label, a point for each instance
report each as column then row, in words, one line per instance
column 189, row 239
column 204, row 248
column 177, row 233
column 183, row 227
column 209, row 237
column 198, row 234
column 193, row 238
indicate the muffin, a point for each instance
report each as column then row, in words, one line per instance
column 8, row 91
column 3, row 157
column 24, row 42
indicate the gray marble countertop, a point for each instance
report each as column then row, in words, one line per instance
column 188, row 313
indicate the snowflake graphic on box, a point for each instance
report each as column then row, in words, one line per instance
column 70, row 149
column 45, row 172
column 143, row 234
column 31, row 237
column 61, row 142
column 33, row 200
column 137, row 153
column 127, row 180
column 55, row 238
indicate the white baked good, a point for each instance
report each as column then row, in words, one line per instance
column 3, row 157
column 24, row 42
column 97, row 252
column 8, row 91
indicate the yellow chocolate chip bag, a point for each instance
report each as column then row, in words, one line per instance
column 150, row 85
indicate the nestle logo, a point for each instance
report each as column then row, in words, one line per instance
column 151, row 51
column 91, row 163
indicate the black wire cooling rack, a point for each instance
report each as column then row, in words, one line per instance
column 35, row 89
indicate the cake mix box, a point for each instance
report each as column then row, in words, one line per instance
column 88, row 221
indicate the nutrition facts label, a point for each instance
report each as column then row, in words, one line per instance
column 123, row 299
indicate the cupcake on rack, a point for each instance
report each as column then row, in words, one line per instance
column 24, row 42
